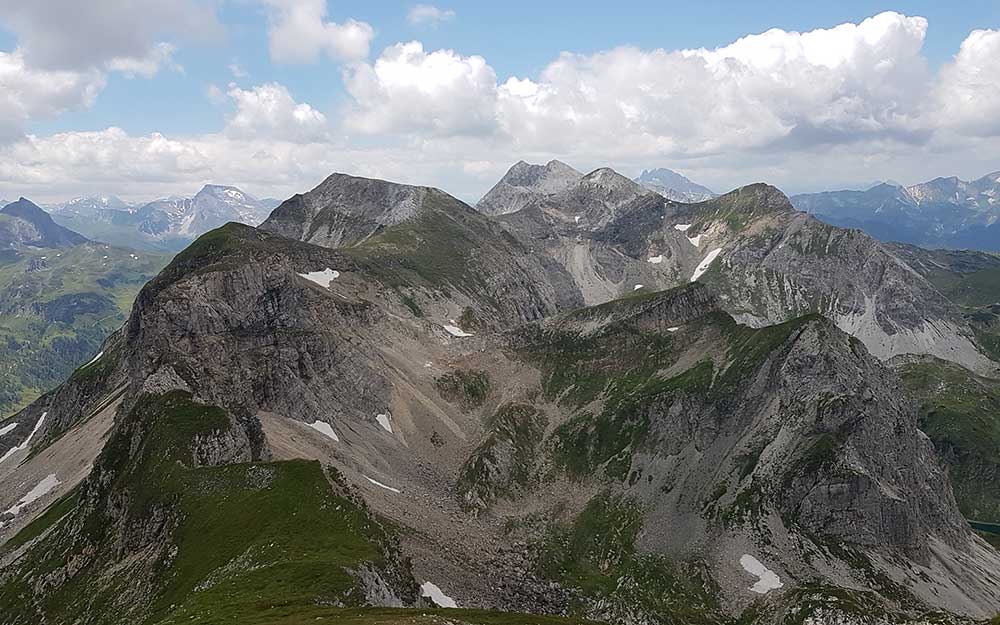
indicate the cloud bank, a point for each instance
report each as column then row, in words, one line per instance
column 798, row 109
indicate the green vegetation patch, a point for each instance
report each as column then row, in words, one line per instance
column 468, row 388
column 505, row 462
column 239, row 543
column 596, row 555
column 960, row 412
column 57, row 307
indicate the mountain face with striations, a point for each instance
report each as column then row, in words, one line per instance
column 524, row 183
column 166, row 224
column 769, row 263
column 383, row 399
column 944, row 212
column 674, row 186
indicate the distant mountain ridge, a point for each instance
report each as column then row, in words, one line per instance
column 944, row 212
column 674, row 186
column 165, row 224
column 23, row 223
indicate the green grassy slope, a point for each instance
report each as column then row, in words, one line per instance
column 56, row 307
column 249, row 543
column 961, row 413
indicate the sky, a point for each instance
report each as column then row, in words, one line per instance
column 147, row 98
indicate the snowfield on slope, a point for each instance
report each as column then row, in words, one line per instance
column 40, row 490
column 385, row 421
column 429, row 589
column 322, row 278
column 324, row 428
column 381, row 485
column 767, row 579
column 24, row 445
column 705, row 264
column 454, row 330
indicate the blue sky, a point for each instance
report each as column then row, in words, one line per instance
column 462, row 142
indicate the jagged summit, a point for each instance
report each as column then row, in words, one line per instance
column 524, row 183
column 25, row 223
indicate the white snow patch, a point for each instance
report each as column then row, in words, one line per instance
column 673, row 329
column 43, row 488
column 577, row 219
column 24, row 445
column 428, row 589
column 95, row 359
column 322, row 278
column 381, row 485
column 454, row 330
column 682, row 227
column 7, row 428
column 705, row 264
column 656, row 260
column 324, row 428
column 385, row 422
column 696, row 240
column 638, row 286
column 767, row 579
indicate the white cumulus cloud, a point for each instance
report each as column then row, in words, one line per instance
column 300, row 33
column 159, row 56
column 832, row 85
column 268, row 110
column 802, row 110
column 28, row 94
column 410, row 90
column 967, row 94
column 428, row 14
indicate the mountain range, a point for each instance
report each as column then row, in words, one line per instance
column 941, row 213
column 61, row 295
column 579, row 401
column 163, row 225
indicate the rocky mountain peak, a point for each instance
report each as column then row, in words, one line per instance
column 756, row 199
column 344, row 210
column 29, row 224
column 524, row 183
